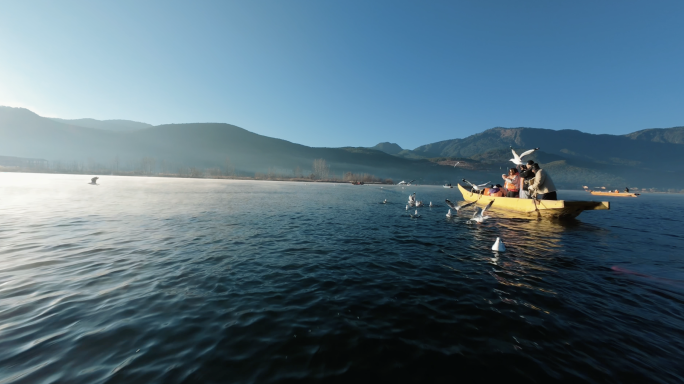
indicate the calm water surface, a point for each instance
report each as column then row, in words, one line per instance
column 142, row 280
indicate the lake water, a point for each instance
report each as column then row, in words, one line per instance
column 142, row 280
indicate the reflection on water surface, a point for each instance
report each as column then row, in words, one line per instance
column 188, row 280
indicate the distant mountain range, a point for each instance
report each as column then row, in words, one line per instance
column 110, row 125
column 651, row 156
column 647, row 158
column 660, row 135
column 389, row 148
column 206, row 145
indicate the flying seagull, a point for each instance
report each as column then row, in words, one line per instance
column 93, row 181
column 517, row 160
column 456, row 207
column 476, row 187
column 457, row 163
column 479, row 215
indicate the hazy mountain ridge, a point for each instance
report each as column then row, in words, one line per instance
column 389, row 148
column 206, row 145
column 645, row 158
column 569, row 144
column 110, row 125
column 576, row 158
column 674, row 135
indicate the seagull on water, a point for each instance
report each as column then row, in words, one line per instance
column 479, row 215
column 449, row 215
column 476, row 187
column 385, row 201
column 431, row 204
column 498, row 246
column 517, row 160
column 457, row 207
column 93, row 181
column 415, row 215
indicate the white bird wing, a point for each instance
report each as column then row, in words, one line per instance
column 466, row 181
column 515, row 155
column 451, row 205
column 464, row 206
column 527, row 153
column 482, row 185
column 478, row 212
column 487, row 207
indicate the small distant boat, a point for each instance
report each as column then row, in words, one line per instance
column 357, row 182
column 550, row 209
column 622, row 194
column 448, row 185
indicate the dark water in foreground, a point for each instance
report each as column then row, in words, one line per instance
column 199, row 281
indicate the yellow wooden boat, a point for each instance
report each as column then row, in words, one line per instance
column 551, row 209
column 623, row 194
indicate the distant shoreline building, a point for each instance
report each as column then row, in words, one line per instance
column 22, row 162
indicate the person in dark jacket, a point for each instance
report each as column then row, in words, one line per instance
column 526, row 175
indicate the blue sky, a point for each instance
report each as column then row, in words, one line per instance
column 350, row 73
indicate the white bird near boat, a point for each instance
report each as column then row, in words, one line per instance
column 479, row 215
column 458, row 207
column 498, row 246
column 517, row 160
column 431, row 204
column 476, row 187
column 449, row 215
column 407, row 207
column 419, row 204
column 93, row 181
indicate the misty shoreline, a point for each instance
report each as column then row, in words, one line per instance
column 275, row 179
column 210, row 177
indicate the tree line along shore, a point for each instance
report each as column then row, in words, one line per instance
column 320, row 172
column 151, row 167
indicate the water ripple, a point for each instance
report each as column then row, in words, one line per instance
column 180, row 281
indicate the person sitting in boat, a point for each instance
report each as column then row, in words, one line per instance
column 496, row 191
column 512, row 183
column 526, row 175
column 542, row 187
column 626, row 190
